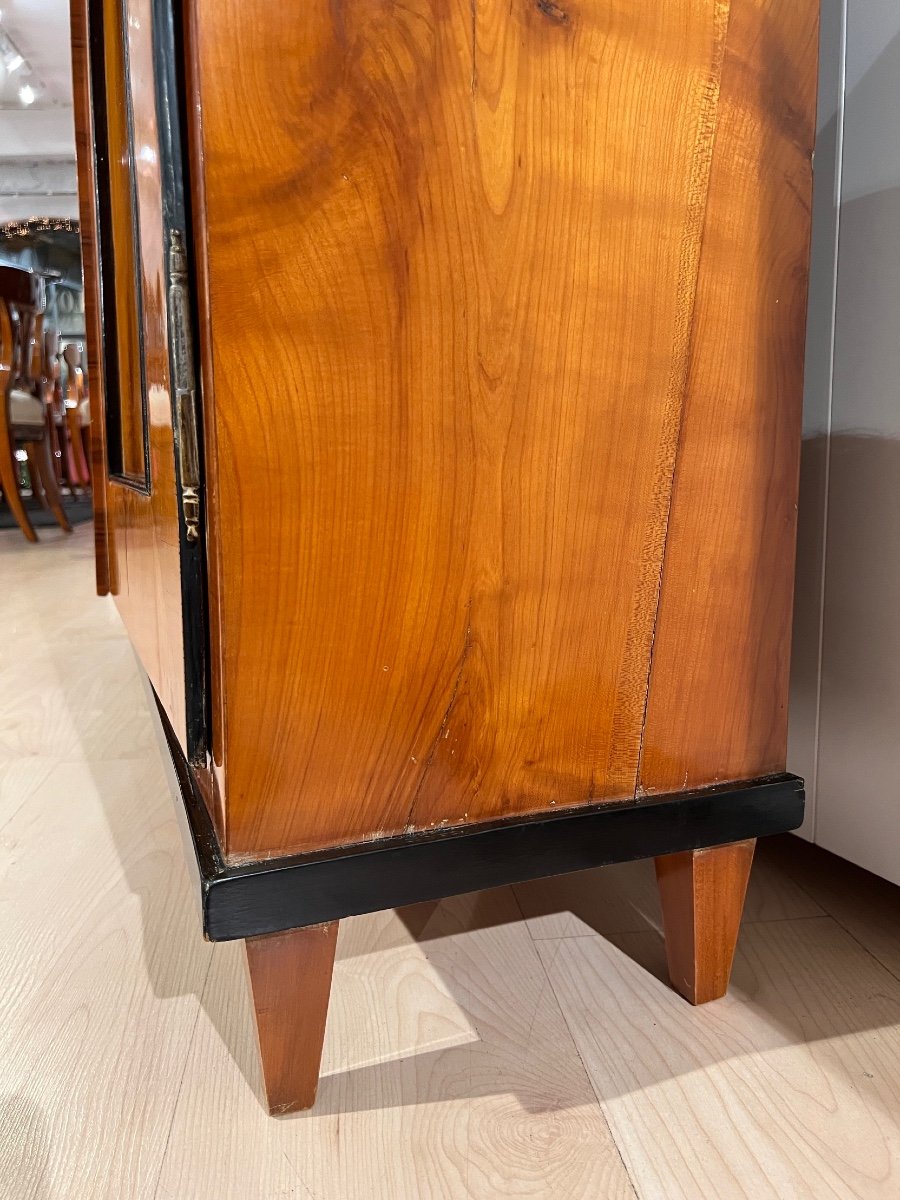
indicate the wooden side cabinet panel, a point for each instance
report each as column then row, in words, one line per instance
column 450, row 356
column 459, row 322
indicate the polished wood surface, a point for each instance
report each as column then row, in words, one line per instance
column 702, row 898
column 482, row 273
column 499, row 519
column 142, row 528
column 290, row 982
column 717, row 708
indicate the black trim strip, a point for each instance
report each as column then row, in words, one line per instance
column 168, row 56
column 307, row 889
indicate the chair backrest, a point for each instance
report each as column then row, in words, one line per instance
column 51, row 355
column 23, row 297
column 75, row 376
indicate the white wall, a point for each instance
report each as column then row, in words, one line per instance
column 845, row 710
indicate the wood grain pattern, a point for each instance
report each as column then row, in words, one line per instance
column 717, row 706
column 142, row 530
column 702, row 898
column 290, row 979
column 482, row 274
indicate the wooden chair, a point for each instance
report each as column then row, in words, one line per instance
column 78, row 416
column 59, row 438
column 25, row 419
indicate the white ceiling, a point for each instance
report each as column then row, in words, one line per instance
column 44, row 130
column 40, row 30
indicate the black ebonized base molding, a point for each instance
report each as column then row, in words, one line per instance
column 310, row 889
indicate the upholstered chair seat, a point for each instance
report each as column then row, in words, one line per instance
column 26, row 411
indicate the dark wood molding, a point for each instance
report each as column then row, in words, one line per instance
column 311, row 889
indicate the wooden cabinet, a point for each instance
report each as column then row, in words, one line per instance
column 451, row 359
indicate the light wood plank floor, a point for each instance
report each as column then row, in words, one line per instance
column 520, row 1042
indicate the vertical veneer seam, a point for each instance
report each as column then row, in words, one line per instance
column 689, row 275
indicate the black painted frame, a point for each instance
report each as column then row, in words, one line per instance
column 308, row 889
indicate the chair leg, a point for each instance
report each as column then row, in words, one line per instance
column 86, row 450
column 702, row 895
column 55, row 450
column 44, row 459
column 290, row 982
column 34, row 474
column 9, row 484
column 82, row 474
column 70, row 470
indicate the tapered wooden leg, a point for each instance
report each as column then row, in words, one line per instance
column 702, row 894
column 290, row 982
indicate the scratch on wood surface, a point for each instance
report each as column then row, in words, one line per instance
column 443, row 728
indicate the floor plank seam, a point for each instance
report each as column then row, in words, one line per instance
column 871, row 953
column 548, row 974
column 187, row 1058
column 632, row 1183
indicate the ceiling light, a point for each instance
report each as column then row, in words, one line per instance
column 27, row 94
column 10, row 56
